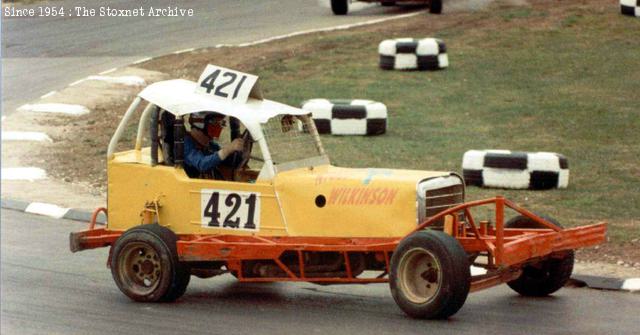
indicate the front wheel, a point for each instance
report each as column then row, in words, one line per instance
column 435, row 7
column 340, row 7
column 430, row 277
column 545, row 277
column 145, row 265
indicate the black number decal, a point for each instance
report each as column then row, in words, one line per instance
column 211, row 210
column 208, row 81
column 228, row 79
column 251, row 201
column 232, row 200
column 232, row 77
column 235, row 93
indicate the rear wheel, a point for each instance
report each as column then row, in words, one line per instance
column 435, row 7
column 430, row 276
column 340, row 7
column 545, row 277
column 145, row 265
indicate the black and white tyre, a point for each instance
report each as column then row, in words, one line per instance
column 413, row 54
column 515, row 170
column 145, row 265
column 430, row 276
column 630, row 7
column 544, row 277
column 347, row 117
column 340, row 7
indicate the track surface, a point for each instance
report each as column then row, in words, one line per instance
column 42, row 54
column 48, row 290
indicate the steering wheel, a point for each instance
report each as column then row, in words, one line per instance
column 239, row 159
column 245, row 154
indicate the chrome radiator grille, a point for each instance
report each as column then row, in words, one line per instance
column 438, row 194
column 441, row 199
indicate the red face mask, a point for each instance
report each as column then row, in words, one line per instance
column 214, row 129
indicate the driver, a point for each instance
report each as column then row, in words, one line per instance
column 202, row 154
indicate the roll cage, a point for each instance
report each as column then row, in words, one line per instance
column 176, row 98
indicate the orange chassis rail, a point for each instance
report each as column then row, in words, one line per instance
column 507, row 249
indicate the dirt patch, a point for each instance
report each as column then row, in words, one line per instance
column 625, row 254
column 78, row 154
column 604, row 269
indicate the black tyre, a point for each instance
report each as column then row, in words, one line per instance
column 387, row 3
column 340, row 7
column 430, row 276
column 435, row 7
column 544, row 277
column 145, row 265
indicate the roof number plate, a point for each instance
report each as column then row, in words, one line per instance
column 226, row 84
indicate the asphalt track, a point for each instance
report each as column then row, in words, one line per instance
column 48, row 290
column 41, row 54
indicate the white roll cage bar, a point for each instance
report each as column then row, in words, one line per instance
column 254, row 128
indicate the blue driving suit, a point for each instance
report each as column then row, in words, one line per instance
column 197, row 159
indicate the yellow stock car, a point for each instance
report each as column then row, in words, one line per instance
column 282, row 212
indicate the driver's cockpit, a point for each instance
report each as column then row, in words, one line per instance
column 168, row 141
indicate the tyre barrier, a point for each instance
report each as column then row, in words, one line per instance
column 516, row 170
column 413, row 54
column 630, row 7
column 348, row 117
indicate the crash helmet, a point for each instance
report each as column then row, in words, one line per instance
column 209, row 123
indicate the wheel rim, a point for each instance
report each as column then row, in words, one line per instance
column 139, row 268
column 420, row 275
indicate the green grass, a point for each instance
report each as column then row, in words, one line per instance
column 528, row 81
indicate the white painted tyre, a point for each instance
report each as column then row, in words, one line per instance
column 348, row 117
column 413, row 54
column 630, row 7
column 515, row 170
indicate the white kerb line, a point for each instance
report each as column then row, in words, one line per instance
column 183, row 51
column 631, row 284
column 121, row 80
column 46, row 209
column 52, row 93
column 142, row 60
column 77, row 82
column 23, row 173
column 55, row 108
column 113, row 69
column 25, row 136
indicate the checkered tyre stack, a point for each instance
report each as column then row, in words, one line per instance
column 413, row 54
column 517, row 170
column 348, row 117
column 630, row 7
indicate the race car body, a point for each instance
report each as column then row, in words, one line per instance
column 278, row 210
